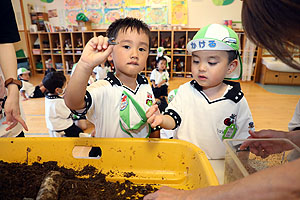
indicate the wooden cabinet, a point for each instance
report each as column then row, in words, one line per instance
column 39, row 18
column 60, row 50
column 296, row 78
column 266, row 76
column 279, row 78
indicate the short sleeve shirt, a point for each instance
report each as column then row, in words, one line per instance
column 204, row 122
column 158, row 76
column 101, row 72
column 104, row 111
column 57, row 114
column 28, row 88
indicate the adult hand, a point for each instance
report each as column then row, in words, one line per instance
column 265, row 148
column 12, row 109
column 167, row 193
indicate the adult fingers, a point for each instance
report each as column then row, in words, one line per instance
column 151, row 196
column 22, row 122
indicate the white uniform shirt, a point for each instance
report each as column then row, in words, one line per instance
column 202, row 122
column 104, row 111
column 101, row 72
column 57, row 114
column 295, row 122
column 28, row 88
column 158, row 76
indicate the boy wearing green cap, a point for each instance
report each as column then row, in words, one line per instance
column 209, row 109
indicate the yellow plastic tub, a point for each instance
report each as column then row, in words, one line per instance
column 174, row 163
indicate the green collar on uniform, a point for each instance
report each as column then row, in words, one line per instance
column 128, row 108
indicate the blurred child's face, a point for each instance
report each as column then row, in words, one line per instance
column 210, row 67
column 131, row 52
column 162, row 65
column 25, row 76
column 61, row 90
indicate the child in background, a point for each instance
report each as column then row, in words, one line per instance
column 101, row 71
column 162, row 53
column 16, row 131
column 209, row 109
column 160, row 81
column 116, row 105
column 28, row 90
column 58, row 115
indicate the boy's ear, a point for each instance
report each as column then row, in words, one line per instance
column 58, row 90
column 232, row 66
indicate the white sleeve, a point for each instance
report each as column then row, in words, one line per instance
column 295, row 122
column 244, row 117
column 167, row 76
column 152, row 76
column 177, row 103
column 62, row 111
column 97, row 91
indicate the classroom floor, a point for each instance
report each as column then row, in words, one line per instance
column 269, row 110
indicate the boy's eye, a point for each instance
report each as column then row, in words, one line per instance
column 126, row 46
column 142, row 49
column 212, row 63
column 196, row 61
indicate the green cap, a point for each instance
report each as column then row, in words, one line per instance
column 22, row 70
column 217, row 37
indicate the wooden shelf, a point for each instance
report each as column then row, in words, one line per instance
column 71, row 44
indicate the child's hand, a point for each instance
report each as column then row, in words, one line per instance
column 96, row 51
column 154, row 116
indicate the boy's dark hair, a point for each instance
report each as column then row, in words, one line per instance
column 128, row 23
column 274, row 25
column 232, row 55
column 160, row 58
column 54, row 80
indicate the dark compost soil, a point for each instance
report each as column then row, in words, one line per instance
column 22, row 181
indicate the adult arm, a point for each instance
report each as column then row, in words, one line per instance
column 265, row 148
column 282, row 182
column 8, row 63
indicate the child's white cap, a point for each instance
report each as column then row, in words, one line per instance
column 217, row 37
column 23, row 70
column 160, row 52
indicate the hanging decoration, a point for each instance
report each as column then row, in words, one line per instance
column 222, row 2
column 47, row 1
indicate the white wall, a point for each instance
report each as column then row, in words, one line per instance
column 200, row 12
column 204, row 12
